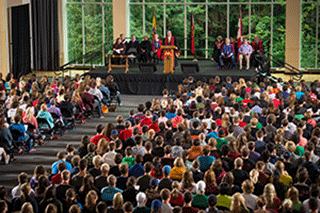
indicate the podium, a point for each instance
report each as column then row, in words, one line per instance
column 168, row 57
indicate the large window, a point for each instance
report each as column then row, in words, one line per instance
column 265, row 18
column 89, row 28
column 310, row 38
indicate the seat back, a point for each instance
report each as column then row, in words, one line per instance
column 16, row 134
column 66, row 112
column 31, row 127
column 43, row 124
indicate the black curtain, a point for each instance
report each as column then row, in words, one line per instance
column 20, row 27
column 45, row 32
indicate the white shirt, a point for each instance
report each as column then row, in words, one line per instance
column 109, row 158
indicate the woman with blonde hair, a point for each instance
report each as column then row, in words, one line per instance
column 225, row 121
column 233, row 150
column 45, row 115
column 217, row 168
column 250, row 199
column 211, row 183
column 103, row 146
column 270, row 195
column 254, row 177
column 241, row 141
column 90, row 202
column 293, row 195
column 178, row 169
column 81, row 87
column 29, row 118
column 117, row 204
column 27, row 208
column 242, row 83
column 187, row 182
column 176, row 197
column 155, row 102
column 238, row 204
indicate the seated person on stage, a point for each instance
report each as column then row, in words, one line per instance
column 257, row 50
column 123, row 39
column 118, row 49
column 227, row 53
column 245, row 51
column 132, row 47
column 218, row 45
column 145, row 49
column 156, row 44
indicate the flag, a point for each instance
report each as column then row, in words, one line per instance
column 154, row 23
column 192, row 33
column 240, row 27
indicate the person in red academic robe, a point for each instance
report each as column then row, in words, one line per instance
column 155, row 45
column 170, row 40
column 257, row 51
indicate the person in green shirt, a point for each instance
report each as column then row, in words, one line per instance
column 223, row 199
column 293, row 195
column 128, row 158
column 200, row 200
column 220, row 140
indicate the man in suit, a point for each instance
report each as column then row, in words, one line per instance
column 132, row 46
column 227, row 53
column 145, row 48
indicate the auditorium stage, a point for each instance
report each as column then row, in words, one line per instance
column 135, row 82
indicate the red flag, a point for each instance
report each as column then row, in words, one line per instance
column 192, row 33
column 240, row 27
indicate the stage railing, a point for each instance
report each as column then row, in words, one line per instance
column 86, row 59
column 265, row 62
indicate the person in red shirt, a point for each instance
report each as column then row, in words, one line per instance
column 95, row 139
column 176, row 197
column 154, row 125
column 147, row 120
column 127, row 132
column 57, row 179
column 178, row 119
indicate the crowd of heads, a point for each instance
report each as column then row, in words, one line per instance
column 209, row 146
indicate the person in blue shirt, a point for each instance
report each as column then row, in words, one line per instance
column 285, row 93
column 172, row 112
column 205, row 160
column 61, row 158
column 298, row 92
column 23, row 136
column 108, row 192
column 137, row 170
column 131, row 117
column 227, row 53
column 213, row 133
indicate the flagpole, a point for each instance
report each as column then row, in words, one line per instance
column 192, row 38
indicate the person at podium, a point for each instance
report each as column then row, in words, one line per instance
column 172, row 41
